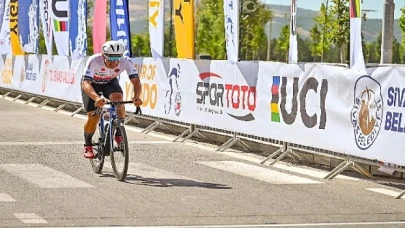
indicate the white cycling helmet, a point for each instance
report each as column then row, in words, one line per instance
column 113, row 48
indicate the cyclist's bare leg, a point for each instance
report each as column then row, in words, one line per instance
column 90, row 127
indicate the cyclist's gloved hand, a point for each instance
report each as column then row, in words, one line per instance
column 100, row 102
column 137, row 102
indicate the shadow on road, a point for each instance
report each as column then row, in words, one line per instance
column 159, row 182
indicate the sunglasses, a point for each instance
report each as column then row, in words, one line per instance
column 113, row 59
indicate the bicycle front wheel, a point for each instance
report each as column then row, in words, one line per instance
column 120, row 153
column 100, row 148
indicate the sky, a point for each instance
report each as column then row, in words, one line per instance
column 377, row 5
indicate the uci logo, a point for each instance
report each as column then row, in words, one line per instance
column 367, row 111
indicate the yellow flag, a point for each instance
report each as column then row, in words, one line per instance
column 184, row 28
column 14, row 36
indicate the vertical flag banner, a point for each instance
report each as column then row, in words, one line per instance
column 5, row 46
column 28, row 25
column 60, row 25
column 184, row 28
column 156, row 27
column 16, row 47
column 231, row 11
column 356, row 49
column 119, row 22
column 99, row 25
column 44, row 10
column 77, row 29
column 293, row 49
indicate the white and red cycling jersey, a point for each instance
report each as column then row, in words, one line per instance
column 97, row 72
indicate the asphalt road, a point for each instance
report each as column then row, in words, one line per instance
column 46, row 182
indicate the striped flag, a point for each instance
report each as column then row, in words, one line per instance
column 356, row 49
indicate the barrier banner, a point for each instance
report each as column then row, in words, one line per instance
column 151, row 73
column 30, row 80
column 7, row 72
column 28, row 25
column 46, row 63
column 61, row 81
column 315, row 105
column 223, row 95
column 77, row 29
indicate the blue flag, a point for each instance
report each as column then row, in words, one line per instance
column 28, row 25
column 119, row 21
column 77, row 30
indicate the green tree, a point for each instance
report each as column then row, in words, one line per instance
column 316, row 48
column 396, row 51
column 283, row 43
column 339, row 26
column 321, row 43
column 402, row 24
column 211, row 30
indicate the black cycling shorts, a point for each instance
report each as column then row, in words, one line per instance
column 106, row 89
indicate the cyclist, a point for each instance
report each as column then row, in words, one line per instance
column 100, row 75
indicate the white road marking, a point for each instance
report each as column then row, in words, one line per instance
column 72, row 143
column 43, row 176
column 385, row 192
column 301, row 170
column 6, row 198
column 258, row 225
column 29, row 218
column 259, row 173
column 149, row 172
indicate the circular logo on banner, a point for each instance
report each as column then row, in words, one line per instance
column 367, row 111
column 45, row 75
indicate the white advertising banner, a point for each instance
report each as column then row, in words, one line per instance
column 60, row 81
column 315, row 105
column 31, row 81
column 7, row 71
column 156, row 27
column 151, row 73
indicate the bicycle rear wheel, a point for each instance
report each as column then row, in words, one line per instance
column 119, row 152
column 97, row 163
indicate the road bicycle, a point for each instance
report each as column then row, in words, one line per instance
column 106, row 145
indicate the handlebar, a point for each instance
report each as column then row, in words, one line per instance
column 98, row 110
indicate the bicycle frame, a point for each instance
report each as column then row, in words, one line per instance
column 113, row 116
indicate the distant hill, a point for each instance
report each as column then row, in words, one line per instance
column 139, row 13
